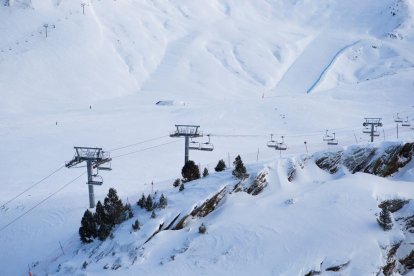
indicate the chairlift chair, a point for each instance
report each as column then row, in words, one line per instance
column 327, row 137
column 406, row 123
column 398, row 119
column 281, row 146
column 272, row 143
column 105, row 168
column 334, row 141
column 193, row 145
column 366, row 130
column 207, row 146
column 96, row 180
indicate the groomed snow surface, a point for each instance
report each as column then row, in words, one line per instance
column 241, row 70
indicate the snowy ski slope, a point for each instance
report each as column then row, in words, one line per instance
column 240, row 69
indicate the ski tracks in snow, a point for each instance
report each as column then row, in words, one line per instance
column 306, row 72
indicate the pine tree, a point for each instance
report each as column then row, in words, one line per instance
column 202, row 229
column 181, row 187
column 149, row 203
column 142, row 202
column 114, row 208
column 87, row 231
column 163, row 202
column 128, row 211
column 205, row 172
column 177, row 182
column 136, row 225
column 384, row 219
column 221, row 166
column 153, row 215
column 239, row 168
column 99, row 215
column 104, row 231
column 190, row 171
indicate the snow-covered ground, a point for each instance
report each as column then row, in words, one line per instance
column 241, row 70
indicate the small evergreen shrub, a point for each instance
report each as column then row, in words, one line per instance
column 384, row 219
column 153, row 215
column 149, row 203
column 202, row 229
column 177, row 182
column 239, row 168
column 221, row 166
column 163, row 202
column 205, row 172
column 136, row 225
column 142, row 202
column 190, row 171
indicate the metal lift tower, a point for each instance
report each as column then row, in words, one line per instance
column 374, row 123
column 94, row 158
column 186, row 131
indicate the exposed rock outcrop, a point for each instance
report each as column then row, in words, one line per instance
column 383, row 161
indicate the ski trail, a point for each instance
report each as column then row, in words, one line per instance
column 322, row 75
column 310, row 65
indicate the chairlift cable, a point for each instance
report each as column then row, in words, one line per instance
column 144, row 149
column 138, row 143
column 41, row 202
column 32, row 186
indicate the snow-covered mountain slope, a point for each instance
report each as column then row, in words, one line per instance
column 240, row 69
column 313, row 221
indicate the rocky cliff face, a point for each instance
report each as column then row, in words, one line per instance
column 381, row 161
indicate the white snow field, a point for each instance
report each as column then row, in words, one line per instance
column 241, row 70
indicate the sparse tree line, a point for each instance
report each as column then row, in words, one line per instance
column 113, row 212
column 191, row 171
column 100, row 224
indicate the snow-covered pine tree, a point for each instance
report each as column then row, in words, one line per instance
column 99, row 215
column 153, row 215
column 202, row 229
column 114, row 208
column 87, row 231
column 128, row 211
column 136, row 225
column 142, row 202
column 221, row 166
column 163, row 202
column 104, row 231
column 149, row 203
column 239, row 168
column 385, row 220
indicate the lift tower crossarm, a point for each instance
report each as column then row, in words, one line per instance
column 186, row 131
column 373, row 123
column 94, row 158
